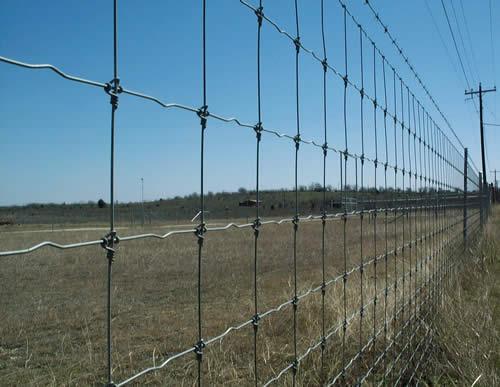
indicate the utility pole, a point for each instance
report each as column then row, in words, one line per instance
column 142, row 200
column 481, row 125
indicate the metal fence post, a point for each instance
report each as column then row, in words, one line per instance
column 466, row 156
column 490, row 199
column 481, row 199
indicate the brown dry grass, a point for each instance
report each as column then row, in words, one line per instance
column 466, row 347
column 52, row 326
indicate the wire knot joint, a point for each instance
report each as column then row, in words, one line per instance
column 297, row 43
column 323, row 288
column 113, row 88
column 200, row 231
column 346, row 80
column 258, row 128
column 198, row 349
column 323, row 342
column 256, row 226
column 203, row 114
column 255, row 321
column 259, row 12
column 297, row 140
column 108, row 242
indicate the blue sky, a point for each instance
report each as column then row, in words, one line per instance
column 55, row 134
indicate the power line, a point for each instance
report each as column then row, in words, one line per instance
column 493, row 65
column 473, row 76
column 443, row 41
column 466, row 56
column 452, row 62
column 456, row 47
column 491, row 43
column 458, row 54
column 469, row 39
column 412, row 68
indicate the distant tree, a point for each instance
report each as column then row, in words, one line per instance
column 101, row 203
column 242, row 190
column 316, row 187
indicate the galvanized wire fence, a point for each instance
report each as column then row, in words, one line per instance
column 417, row 202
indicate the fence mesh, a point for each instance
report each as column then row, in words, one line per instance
column 408, row 204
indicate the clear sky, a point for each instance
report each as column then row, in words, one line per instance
column 55, row 133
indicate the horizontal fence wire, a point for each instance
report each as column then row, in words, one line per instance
column 319, row 218
column 427, row 204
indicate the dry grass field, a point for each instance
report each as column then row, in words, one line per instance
column 466, row 348
column 52, row 325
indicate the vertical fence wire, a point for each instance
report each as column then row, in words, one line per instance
column 257, row 223
column 201, row 229
column 361, row 212
column 395, row 215
column 433, row 212
column 428, row 205
column 406, row 328
column 403, row 211
column 296, row 217
column 344, row 194
column 386, row 225
column 324, row 212
column 416, row 219
column 410, row 203
column 375, row 170
column 109, row 241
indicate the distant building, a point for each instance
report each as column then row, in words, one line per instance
column 249, row 203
